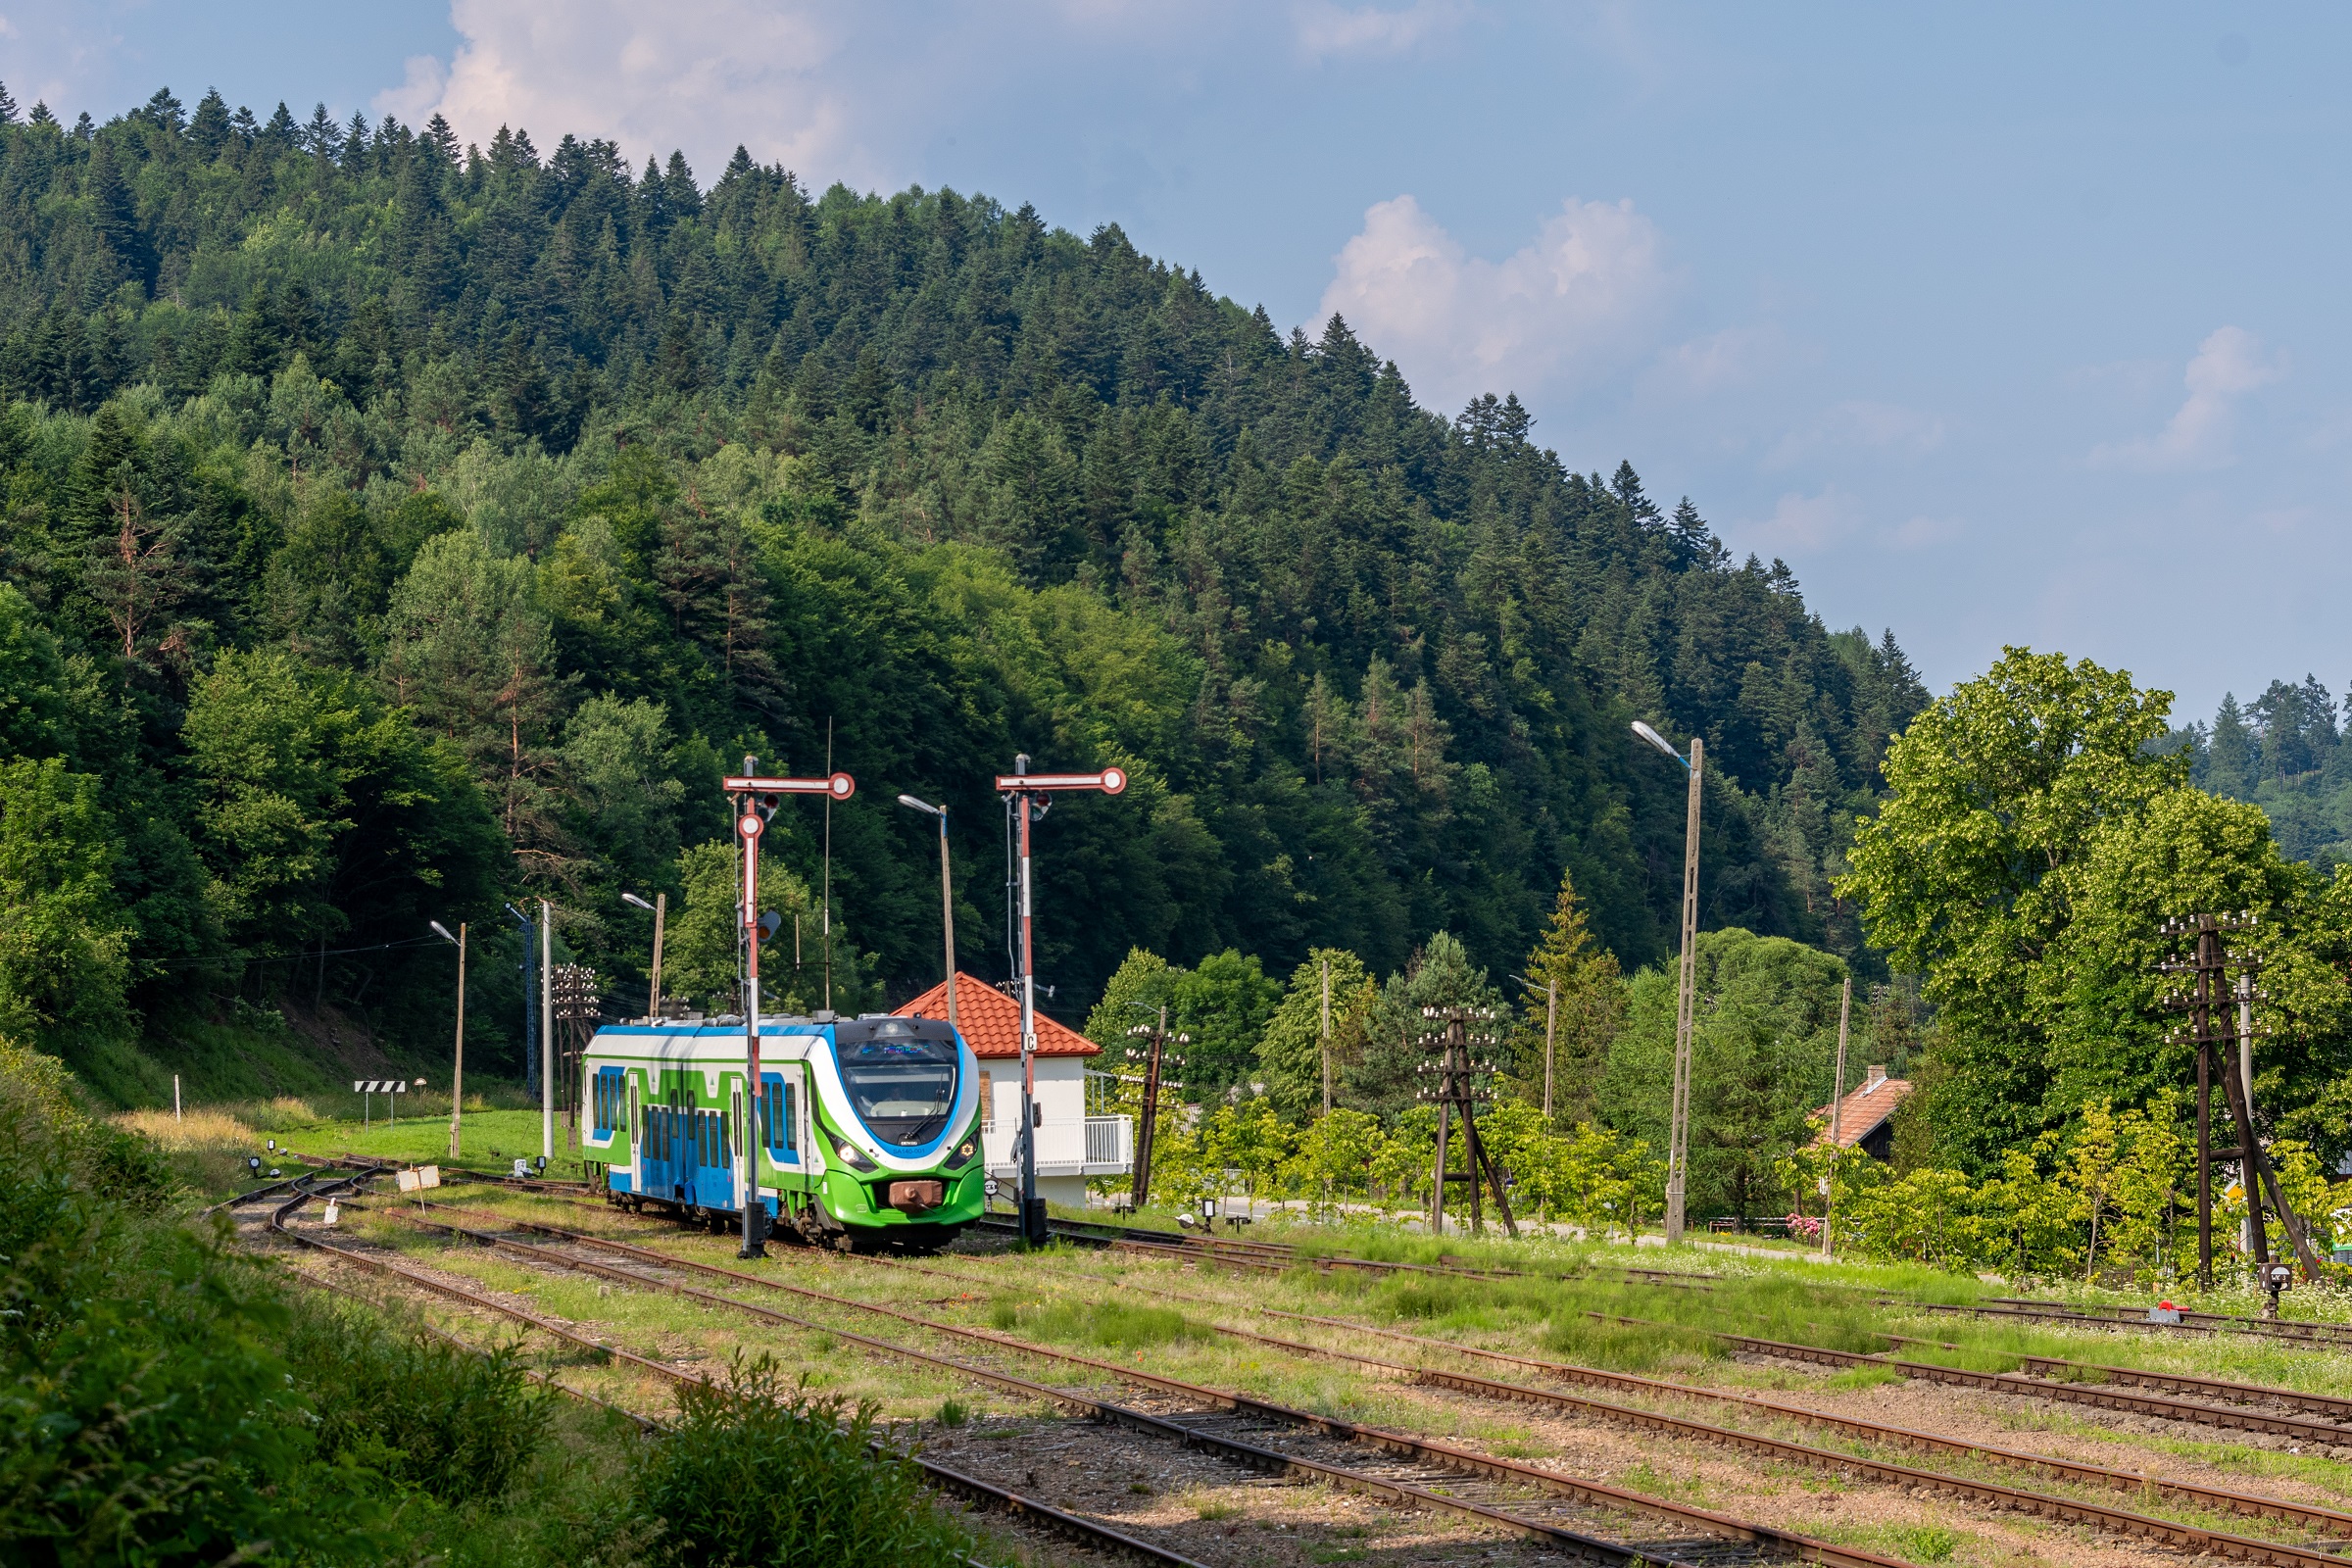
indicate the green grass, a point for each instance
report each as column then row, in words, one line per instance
column 1112, row 1325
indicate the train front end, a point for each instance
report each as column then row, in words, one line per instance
column 896, row 1113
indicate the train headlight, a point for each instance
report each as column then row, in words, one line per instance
column 850, row 1156
column 961, row 1155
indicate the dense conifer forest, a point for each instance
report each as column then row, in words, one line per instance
column 392, row 527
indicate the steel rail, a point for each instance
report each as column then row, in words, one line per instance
column 2302, row 1330
column 2060, row 1390
column 1768, row 1539
column 2247, row 1503
column 1086, row 1531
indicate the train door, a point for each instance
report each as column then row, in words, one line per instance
column 633, row 1132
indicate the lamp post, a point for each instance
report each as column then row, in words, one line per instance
column 1677, row 1146
column 457, row 1073
column 1021, row 790
column 1552, row 1029
column 755, row 800
column 530, row 992
column 547, row 1034
column 660, row 909
column 947, row 892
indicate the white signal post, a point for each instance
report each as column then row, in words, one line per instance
column 751, row 820
column 1018, row 787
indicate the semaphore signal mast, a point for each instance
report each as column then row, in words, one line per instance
column 756, row 799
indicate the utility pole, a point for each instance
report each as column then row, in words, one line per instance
column 947, row 892
column 579, row 1008
column 1022, row 790
column 457, row 1074
column 659, row 911
column 547, row 1035
column 1326, row 1037
column 1456, row 1092
column 530, row 997
column 1139, row 1191
column 755, row 800
column 1845, row 1007
column 1552, row 1030
column 2207, row 1004
column 1677, row 1144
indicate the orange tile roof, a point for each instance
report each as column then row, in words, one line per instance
column 1860, row 1113
column 991, row 1021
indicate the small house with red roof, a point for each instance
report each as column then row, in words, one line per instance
column 1071, row 1146
column 1865, row 1118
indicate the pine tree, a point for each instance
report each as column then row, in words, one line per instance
column 8, row 106
column 1590, row 1004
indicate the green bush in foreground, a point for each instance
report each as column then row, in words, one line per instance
column 753, row 1473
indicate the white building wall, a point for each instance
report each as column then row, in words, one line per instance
column 1062, row 1135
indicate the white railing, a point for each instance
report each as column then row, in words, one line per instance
column 1110, row 1140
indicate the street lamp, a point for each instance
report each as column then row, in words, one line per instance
column 659, row 909
column 947, row 892
column 1551, row 1028
column 1677, row 1146
column 457, row 1074
column 1021, row 790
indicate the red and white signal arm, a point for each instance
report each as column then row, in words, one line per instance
column 840, row 786
column 1110, row 781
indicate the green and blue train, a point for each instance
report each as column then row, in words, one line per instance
column 868, row 1129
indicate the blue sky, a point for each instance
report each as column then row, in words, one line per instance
column 2000, row 324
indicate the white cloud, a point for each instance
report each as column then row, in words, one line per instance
column 1325, row 31
column 702, row 78
column 2228, row 364
column 1862, row 426
column 1721, row 360
column 1572, row 305
column 1799, row 522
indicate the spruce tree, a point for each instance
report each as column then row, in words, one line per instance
column 1591, row 1003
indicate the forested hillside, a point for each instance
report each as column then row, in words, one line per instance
column 392, row 528
column 2284, row 752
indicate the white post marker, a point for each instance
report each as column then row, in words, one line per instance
column 751, row 820
column 1018, row 788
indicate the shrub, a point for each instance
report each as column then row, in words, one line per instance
column 751, row 1473
column 419, row 1412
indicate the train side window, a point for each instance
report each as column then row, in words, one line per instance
column 791, row 1119
column 607, row 1099
column 775, row 1117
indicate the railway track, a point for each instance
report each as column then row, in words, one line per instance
column 1086, row 1532
column 2070, row 1391
column 2338, row 1524
column 1587, row 1519
column 2115, row 1520
column 2301, row 1331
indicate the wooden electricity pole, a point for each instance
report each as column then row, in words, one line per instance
column 1154, row 1057
column 1457, row 1095
column 2210, row 1026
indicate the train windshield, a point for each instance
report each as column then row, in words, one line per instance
column 901, row 1088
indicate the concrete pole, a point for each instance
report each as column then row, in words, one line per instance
column 947, row 912
column 1845, row 1007
column 1552, row 1029
column 457, row 1073
column 661, row 917
column 1326, row 1037
column 547, row 1035
column 1678, row 1152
